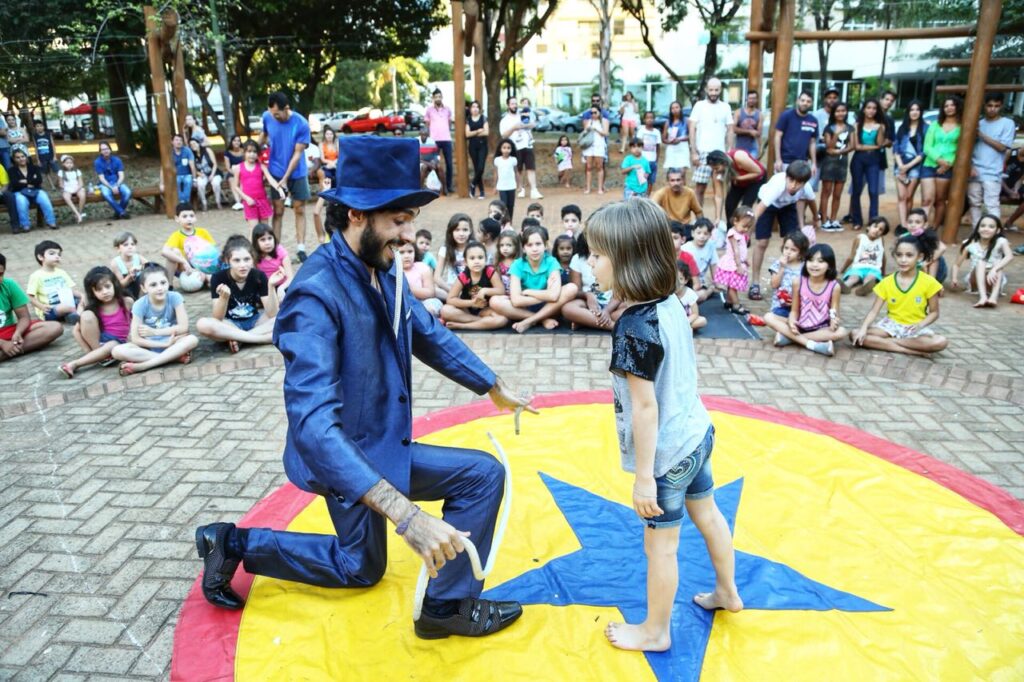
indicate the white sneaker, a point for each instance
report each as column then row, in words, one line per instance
column 237, row 206
column 288, row 201
column 534, row 194
column 522, row 192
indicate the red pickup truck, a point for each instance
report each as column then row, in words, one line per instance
column 373, row 121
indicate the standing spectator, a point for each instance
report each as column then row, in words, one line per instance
column 439, row 119
column 312, row 159
column 650, row 138
column 44, row 151
column 828, row 104
column 869, row 140
column 477, row 131
column 940, row 143
column 110, row 172
column 594, row 155
column 676, row 138
column 5, row 145
column 907, row 155
column 16, row 135
column 518, row 126
column 1013, row 186
column 206, row 172
column 711, row 129
column 184, row 168
column 796, row 135
column 194, row 131
column 676, row 199
column 838, row 136
column 233, row 156
column 629, row 120
column 887, row 99
column 748, row 125
column 995, row 137
column 27, row 188
column 288, row 134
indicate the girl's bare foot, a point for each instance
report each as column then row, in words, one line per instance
column 992, row 302
column 715, row 600
column 586, row 191
column 981, row 303
column 522, row 326
column 636, row 638
column 550, row 324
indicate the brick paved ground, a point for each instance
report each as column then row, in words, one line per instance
column 104, row 479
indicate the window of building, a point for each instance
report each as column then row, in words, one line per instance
column 542, row 48
column 595, row 50
column 619, row 27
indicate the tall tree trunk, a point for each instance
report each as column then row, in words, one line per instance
column 493, row 73
column 710, row 61
column 605, row 49
column 823, row 66
column 204, row 98
column 119, row 110
column 94, row 119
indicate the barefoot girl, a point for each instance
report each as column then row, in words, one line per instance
column 665, row 434
column 159, row 330
column 563, row 157
column 867, row 258
column 814, row 317
column 239, row 294
column 537, row 294
column 510, row 247
column 106, row 319
column 420, row 278
column 272, row 258
column 911, row 298
column 989, row 252
column 71, row 186
column 592, row 307
column 785, row 271
column 127, row 264
column 732, row 265
column 247, row 180
column 450, row 256
column 467, row 300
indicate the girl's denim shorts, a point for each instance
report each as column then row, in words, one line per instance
column 689, row 480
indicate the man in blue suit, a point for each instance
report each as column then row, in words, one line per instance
column 348, row 339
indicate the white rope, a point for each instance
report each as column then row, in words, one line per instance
column 399, row 280
column 471, row 552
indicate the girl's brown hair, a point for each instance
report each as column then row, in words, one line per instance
column 636, row 237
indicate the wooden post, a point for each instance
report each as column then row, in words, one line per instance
column 180, row 94
column 989, row 87
column 478, row 64
column 755, row 65
column 988, row 23
column 163, row 114
column 459, row 166
column 780, row 70
column 960, row 31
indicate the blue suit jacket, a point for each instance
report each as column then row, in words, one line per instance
column 348, row 380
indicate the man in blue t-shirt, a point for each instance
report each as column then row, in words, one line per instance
column 796, row 134
column 287, row 132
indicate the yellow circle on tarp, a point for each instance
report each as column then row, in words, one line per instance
column 952, row 573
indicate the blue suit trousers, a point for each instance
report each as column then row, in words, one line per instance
column 470, row 482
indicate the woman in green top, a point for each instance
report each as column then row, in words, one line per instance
column 939, row 154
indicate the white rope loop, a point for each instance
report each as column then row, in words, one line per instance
column 479, row 572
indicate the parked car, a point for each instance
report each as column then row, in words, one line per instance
column 574, row 124
column 547, row 118
column 373, row 121
column 335, row 121
column 930, row 116
column 413, row 119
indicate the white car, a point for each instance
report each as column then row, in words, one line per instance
column 256, row 123
column 336, row 121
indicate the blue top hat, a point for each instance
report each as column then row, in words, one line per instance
column 376, row 173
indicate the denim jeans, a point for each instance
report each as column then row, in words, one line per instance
column 24, row 198
column 864, row 170
column 184, row 189
column 445, row 146
column 120, row 205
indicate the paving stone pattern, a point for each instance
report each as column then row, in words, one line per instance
column 103, row 479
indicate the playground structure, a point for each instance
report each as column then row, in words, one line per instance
column 767, row 34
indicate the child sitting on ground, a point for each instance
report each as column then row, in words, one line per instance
column 127, row 264
column 537, row 294
column 814, row 317
column 189, row 248
column 497, row 210
column 535, row 210
column 487, row 234
column 563, row 250
column 510, row 248
column 450, row 256
column 866, row 263
column 705, row 257
column 572, row 216
column 106, row 320
column 72, row 186
column 935, row 263
column 20, row 332
column 990, row 253
column 423, row 241
column 688, row 297
column 911, row 298
column 665, row 434
column 786, row 270
column 159, row 331
column 239, row 295
column 732, row 266
column 51, row 289
column 272, row 259
column 419, row 278
column 592, row 307
column 467, row 306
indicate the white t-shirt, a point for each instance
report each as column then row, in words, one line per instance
column 773, row 192
column 650, row 139
column 521, row 138
column 312, row 154
column 579, row 264
column 506, row 172
column 712, row 122
column 704, row 258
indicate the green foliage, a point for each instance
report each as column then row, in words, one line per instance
column 514, row 78
column 410, row 75
column 347, row 88
column 437, row 71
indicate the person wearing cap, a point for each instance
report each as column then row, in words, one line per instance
column 348, row 338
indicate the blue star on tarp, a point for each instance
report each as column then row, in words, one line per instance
column 611, row 570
